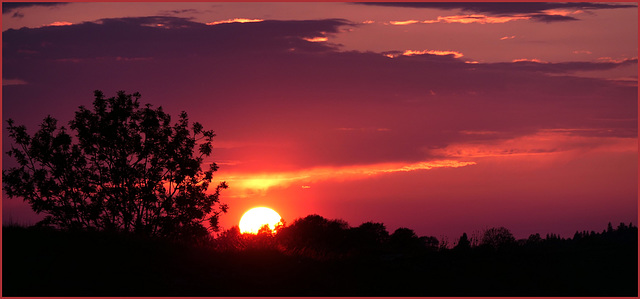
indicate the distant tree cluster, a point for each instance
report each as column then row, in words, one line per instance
column 125, row 168
column 317, row 237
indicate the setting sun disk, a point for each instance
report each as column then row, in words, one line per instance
column 254, row 219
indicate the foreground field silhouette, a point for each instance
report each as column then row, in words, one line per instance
column 315, row 256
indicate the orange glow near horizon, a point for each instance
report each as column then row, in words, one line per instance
column 250, row 183
column 545, row 146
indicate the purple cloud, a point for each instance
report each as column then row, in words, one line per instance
column 499, row 8
column 11, row 6
column 265, row 83
column 560, row 67
column 538, row 11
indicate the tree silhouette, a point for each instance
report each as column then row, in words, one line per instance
column 315, row 234
column 430, row 242
column 405, row 239
column 534, row 239
column 369, row 235
column 463, row 243
column 126, row 168
column 498, row 237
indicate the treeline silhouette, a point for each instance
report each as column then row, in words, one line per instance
column 315, row 256
column 323, row 239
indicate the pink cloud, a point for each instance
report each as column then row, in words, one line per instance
column 528, row 60
column 468, row 132
column 621, row 60
column 364, row 129
column 548, row 142
column 7, row 82
column 236, row 20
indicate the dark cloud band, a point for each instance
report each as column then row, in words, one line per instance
column 258, row 72
column 536, row 10
column 10, row 6
column 502, row 7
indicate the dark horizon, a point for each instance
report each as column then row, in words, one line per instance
column 315, row 256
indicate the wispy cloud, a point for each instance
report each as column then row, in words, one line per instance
column 562, row 12
column 7, row 82
column 365, row 129
column 400, row 23
column 316, row 39
column 433, row 52
column 251, row 183
column 466, row 19
column 11, row 6
column 620, row 60
column 537, row 65
column 60, row 24
column 542, row 142
column 502, row 12
column 236, row 20
column 535, row 11
column 528, row 60
column 479, row 19
column 395, row 54
column 469, row 132
column 179, row 12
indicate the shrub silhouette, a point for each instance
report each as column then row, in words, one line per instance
column 125, row 169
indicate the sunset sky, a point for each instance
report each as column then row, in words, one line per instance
column 441, row 117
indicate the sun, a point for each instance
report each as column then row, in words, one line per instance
column 255, row 218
